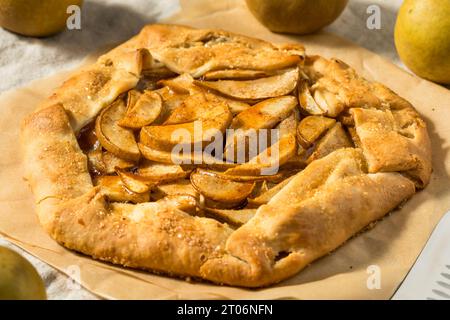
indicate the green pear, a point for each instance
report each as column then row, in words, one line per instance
column 37, row 18
column 19, row 280
column 296, row 16
column 422, row 38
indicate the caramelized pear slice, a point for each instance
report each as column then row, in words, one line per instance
column 114, row 138
column 311, row 128
column 200, row 103
column 235, row 106
column 142, row 109
column 235, row 74
column 177, row 187
column 246, row 178
column 113, row 188
column 269, row 87
column 221, row 190
column 194, row 107
column 264, row 197
column 167, row 137
column 112, row 162
column 265, row 114
column 183, row 84
column 188, row 159
column 269, row 160
column 135, row 182
column 336, row 138
column 215, row 118
column 306, row 100
column 271, row 178
column 233, row 217
column 289, row 125
column 161, row 171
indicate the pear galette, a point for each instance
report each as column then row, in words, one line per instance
column 121, row 172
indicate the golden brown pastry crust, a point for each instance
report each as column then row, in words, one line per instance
column 319, row 209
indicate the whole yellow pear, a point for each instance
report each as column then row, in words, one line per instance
column 18, row 278
column 422, row 38
column 38, row 18
column 296, row 16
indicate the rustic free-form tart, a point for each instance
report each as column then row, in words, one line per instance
column 207, row 154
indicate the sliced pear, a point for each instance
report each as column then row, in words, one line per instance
column 336, row 138
column 195, row 107
column 272, row 178
column 269, row 160
column 135, row 182
column 161, row 171
column 235, row 74
column 170, row 101
column 235, row 106
column 200, row 103
column 234, row 217
column 183, row 84
column 209, row 203
column 306, row 100
column 177, row 187
column 289, row 125
column 313, row 127
column 111, row 162
column 166, row 137
column 265, row 114
column 274, row 86
column 214, row 121
column 221, row 190
column 142, row 109
column 169, row 96
column 104, row 162
column 132, row 97
column 168, row 157
column 114, row 138
column 247, row 178
column 327, row 100
column 113, row 188
column 264, row 197
column 261, row 187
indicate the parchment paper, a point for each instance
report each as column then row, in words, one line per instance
column 392, row 245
